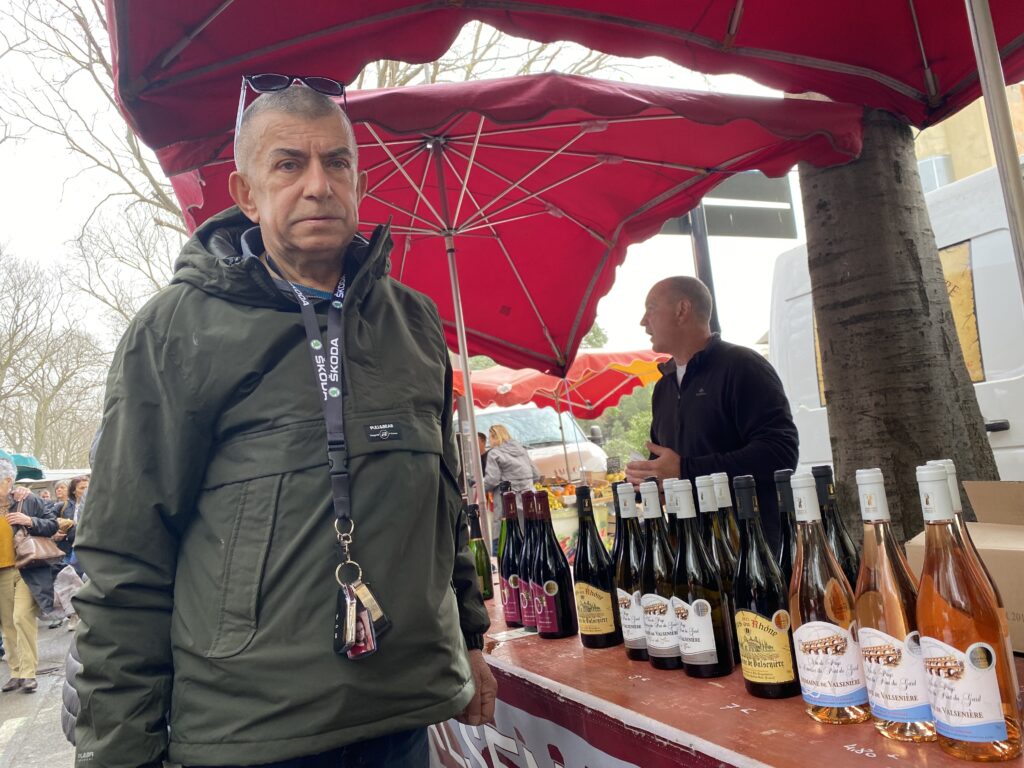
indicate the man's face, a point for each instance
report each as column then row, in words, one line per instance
column 44, row 495
column 661, row 319
column 83, row 486
column 303, row 188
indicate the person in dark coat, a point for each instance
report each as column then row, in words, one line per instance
column 22, row 592
column 718, row 407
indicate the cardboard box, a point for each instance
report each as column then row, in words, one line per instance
column 1000, row 542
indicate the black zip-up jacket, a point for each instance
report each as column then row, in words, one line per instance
column 729, row 415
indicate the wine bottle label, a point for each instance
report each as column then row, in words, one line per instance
column 828, row 660
column 526, row 603
column 544, row 606
column 594, row 609
column 696, row 631
column 964, row 691
column 765, row 650
column 895, row 676
column 660, row 626
column 632, row 619
column 510, row 599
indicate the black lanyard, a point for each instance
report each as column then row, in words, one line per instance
column 354, row 597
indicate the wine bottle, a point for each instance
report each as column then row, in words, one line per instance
column 763, row 623
column 702, row 606
column 528, row 560
column 656, row 585
column 821, row 606
column 971, row 682
column 886, row 608
column 508, row 563
column 503, row 487
column 553, row 601
column 627, row 574
column 787, row 550
column 832, row 522
column 597, row 605
column 481, row 558
column 727, row 512
column 715, row 538
column 614, row 531
column 671, row 513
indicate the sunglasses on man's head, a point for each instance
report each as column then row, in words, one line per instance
column 270, row 82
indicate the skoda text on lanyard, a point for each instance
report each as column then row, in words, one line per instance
column 360, row 620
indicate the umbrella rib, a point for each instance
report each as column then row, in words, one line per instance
column 604, row 157
column 532, row 353
column 407, row 154
column 518, row 184
column 400, row 209
column 501, row 244
column 929, row 76
column 550, row 206
column 143, row 84
column 512, row 131
column 401, row 169
column 469, row 170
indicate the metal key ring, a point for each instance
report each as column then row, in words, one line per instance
column 359, row 573
column 351, row 529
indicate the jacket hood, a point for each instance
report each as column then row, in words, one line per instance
column 511, row 448
column 212, row 261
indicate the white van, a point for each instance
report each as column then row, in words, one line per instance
column 977, row 257
column 537, row 429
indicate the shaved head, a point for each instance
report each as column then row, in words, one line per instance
column 688, row 289
column 296, row 101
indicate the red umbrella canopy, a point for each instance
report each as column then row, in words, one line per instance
column 595, row 382
column 178, row 64
column 542, row 181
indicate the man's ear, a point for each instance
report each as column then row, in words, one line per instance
column 683, row 309
column 241, row 193
column 360, row 187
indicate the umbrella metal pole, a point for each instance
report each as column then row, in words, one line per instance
column 993, row 88
column 561, row 429
column 702, row 258
column 476, row 463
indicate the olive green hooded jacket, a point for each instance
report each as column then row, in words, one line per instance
column 207, row 623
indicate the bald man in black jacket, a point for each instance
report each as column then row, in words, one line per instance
column 718, row 407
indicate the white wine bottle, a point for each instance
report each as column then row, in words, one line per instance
column 824, row 627
column 660, row 625
column 630, row 539
column 886, row 607
column 971, row 683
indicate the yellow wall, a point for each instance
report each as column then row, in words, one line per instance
column 965, row 137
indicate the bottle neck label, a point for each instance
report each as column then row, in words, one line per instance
column 595, row 610
column 895, row 676
column 722, row 497
column 696, row 631
column 632, row 619
column 707, row 499
column 765, row 651
column 830, row 667
column 964, row 691
column 874, row 506
column 805, row 505
column 936, row 505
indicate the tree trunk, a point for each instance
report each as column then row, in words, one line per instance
column 897, row 387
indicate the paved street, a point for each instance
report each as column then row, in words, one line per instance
column 30, row 734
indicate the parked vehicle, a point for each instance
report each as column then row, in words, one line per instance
column 970, row 227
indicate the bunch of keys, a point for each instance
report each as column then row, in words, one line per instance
column 359, row 621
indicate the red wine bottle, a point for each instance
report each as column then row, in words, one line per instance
column 763, row 623
column 838, row 537
column 597, row 605
column 508, row 566
column 527, row 560
column 701, row 604
column 787, row 517
column 656, row 585
column 627, row 574
column 553, row 599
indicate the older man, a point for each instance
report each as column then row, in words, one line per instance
column 21, row 595
column 241, row 520
column 718, row 407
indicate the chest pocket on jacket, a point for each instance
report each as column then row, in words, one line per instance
column 223, row 555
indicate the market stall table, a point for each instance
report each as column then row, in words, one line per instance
column 567, row 706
